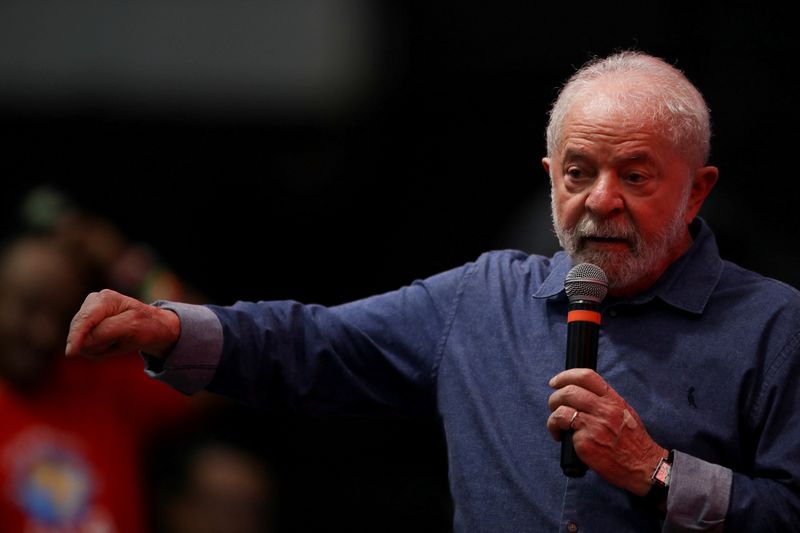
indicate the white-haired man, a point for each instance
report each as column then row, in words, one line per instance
column 690, row 420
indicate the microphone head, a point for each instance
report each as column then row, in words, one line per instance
column 586, row 282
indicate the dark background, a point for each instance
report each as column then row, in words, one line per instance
column 325, row 151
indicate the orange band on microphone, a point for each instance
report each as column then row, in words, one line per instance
column 582, row 315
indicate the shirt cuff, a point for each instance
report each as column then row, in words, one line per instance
column 191, row 364
column 699, row 493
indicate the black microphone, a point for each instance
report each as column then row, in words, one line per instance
column 586, row 286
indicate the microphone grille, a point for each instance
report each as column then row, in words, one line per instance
column 586, row 282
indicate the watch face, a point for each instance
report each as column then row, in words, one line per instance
column 662, row 473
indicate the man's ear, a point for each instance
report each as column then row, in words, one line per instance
column 546, row 164
column 704, row 180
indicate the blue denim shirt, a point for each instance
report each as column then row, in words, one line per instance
column 707, row 357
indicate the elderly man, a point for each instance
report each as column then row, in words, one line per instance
column 689, row 423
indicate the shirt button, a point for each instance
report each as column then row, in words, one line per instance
column 612, row 312
column 572, row 527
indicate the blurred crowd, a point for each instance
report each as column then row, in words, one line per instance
column 78, row 437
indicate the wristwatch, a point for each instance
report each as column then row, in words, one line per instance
column 657, row 495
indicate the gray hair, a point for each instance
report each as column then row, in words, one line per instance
column 668, row 99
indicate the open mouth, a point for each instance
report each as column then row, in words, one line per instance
column 611, row 240
column 602, row 242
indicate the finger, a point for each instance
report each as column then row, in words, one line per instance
column 562, row 419
column 131, row 330
column 583, row 377
column 138, row 328
column 575, row 397
column 88, row 316
column 111, row 352
column 97, row 308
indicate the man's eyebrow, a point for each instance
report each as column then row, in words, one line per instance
column 640, row 156
column 571, row 154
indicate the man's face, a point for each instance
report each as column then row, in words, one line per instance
column 622, row 196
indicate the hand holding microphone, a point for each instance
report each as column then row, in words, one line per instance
column 586, row 410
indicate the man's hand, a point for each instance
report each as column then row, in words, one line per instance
column 609, row 436
column 109, row 323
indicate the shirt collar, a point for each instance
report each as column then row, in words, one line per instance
column 687, row 284
column 553, row 284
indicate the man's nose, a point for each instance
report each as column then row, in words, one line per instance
column 605, row 197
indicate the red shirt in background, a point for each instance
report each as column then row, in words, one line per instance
column 71, row 453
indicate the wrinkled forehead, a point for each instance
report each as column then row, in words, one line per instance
column 615, row 116
column 627, row 101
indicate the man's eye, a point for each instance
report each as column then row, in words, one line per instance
column 575, row 173
column 635, row 177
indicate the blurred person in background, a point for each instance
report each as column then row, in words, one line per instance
column 73, row 432
column 212, row 479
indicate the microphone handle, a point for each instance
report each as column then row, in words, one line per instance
column 582, row 337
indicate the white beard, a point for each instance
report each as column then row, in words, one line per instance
column 624, row 269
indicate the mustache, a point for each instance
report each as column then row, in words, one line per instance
column 621, row 229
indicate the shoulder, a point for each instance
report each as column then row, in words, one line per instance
column 764, row 308
column 752, row 288
column 514, row 262
column 515, row 269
